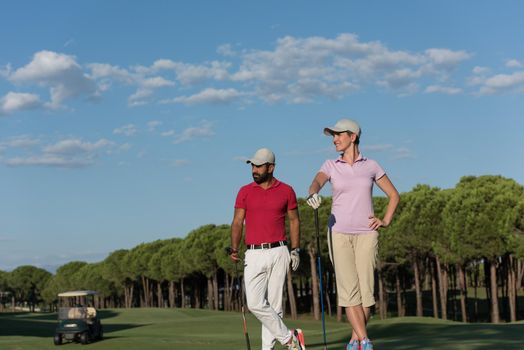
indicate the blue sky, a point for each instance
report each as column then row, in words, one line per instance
column 124, row 122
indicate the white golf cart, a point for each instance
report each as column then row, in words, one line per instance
column 77, row 318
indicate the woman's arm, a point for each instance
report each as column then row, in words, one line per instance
column 318, row 182
column 387, row 187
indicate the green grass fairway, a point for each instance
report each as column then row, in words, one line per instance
column 156, row 329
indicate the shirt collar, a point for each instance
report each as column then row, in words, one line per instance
column 275, row 183
column 359, row 158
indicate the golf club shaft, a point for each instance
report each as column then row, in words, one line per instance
column 319, row 263
column 242, row 309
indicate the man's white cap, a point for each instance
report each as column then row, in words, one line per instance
column 343, row 125
column 262, row 156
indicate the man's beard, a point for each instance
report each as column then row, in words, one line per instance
column 260, row 178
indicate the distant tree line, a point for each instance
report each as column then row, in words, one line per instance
column 454, row 254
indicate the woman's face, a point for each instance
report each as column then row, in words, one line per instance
column 342, row 141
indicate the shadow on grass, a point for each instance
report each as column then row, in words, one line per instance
column 421, row 335
column 43, row 325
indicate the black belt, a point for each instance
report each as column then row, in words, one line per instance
column 267, row 245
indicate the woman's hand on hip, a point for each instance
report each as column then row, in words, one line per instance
column 375, row 223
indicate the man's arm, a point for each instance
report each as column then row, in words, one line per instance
column 236, row 231
column 294, row 228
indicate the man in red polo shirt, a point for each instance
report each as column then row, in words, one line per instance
column 263, row 205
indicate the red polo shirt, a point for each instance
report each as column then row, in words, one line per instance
column 266, row 211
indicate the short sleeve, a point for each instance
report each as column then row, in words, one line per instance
column 292, row 199
column 326, row 168
column 378, row 171
column 240, row 202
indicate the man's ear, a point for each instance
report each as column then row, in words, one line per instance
column 271, row 168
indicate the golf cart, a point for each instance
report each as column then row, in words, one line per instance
column 77, row 318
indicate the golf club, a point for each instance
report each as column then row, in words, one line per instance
column 229, row 251
column 317, row 227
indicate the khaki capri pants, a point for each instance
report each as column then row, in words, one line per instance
column 355, row 261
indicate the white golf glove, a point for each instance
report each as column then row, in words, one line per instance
column 295, row 258
column 314, row 200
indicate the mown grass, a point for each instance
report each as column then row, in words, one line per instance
column 156, row 329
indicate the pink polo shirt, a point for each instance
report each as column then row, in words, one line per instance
column 266, row 211
column 352, row 187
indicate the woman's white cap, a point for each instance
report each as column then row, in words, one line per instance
column 343, row 125
column 262, row 156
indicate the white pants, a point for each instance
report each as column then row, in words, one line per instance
column 265, row 272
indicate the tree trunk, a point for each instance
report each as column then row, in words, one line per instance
column 463, row 292
column 215, row 290
column 495, row 315
column 400, row 304
column 520, row 274
column 340, row 311
column 145, row 286
column 418, row 291
column 314, row 282
column 453, row 279
column 172, row 294
column 433, row 271
column 210, row 304
column 512, row 291
column 443, row 288
column 291, row 296
column 328, row 300
column 476, row 275
column 159, row 294
column 182, row 294
column 381, row 295
column 227, row 293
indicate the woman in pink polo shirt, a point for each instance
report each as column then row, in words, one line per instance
column 353, row 225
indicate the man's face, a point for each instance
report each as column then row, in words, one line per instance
column 261, row 172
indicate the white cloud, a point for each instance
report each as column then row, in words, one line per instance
column 18, row 101
column 146, row 89
column 344, row 63
column 226, row 50
column 377, row 147
column 67, row 153
column 156, row 82
column 204, row 130
column 447, row 90
column 139, row 97
column 153, row 124
column 124, row 147
column 104, row 70
column 168, row 133
column 447, row 58
column 403, row 153
column 209, row 95
column 49, row 160
column 163, row 64
column 76, row 146
column 22, row 141
column 501, row 83
column 60, row 72
column 127, row 130
column 513, row 63
column 197, row 73
column 480, row 70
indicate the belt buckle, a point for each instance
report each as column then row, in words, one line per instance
column 266, row 245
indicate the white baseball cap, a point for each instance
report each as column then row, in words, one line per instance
column 343, row 125
column 262, row 156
